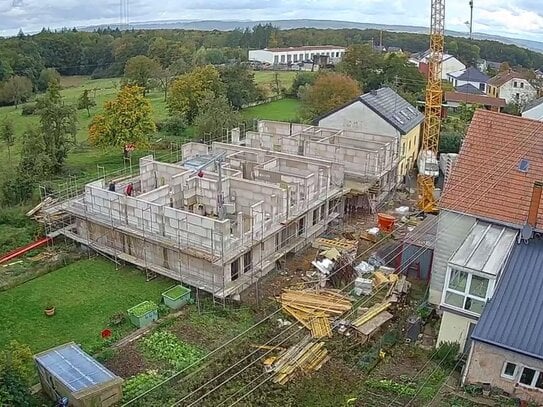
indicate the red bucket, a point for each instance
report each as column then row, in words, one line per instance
column 385, row 222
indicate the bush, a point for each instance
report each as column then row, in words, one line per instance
column 29, row 109
column 165, row 346
column 140, row 383
column 173, row 126
column 447, row 354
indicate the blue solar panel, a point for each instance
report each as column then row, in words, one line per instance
column 74, row 368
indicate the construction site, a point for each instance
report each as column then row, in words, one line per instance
column 227, row 213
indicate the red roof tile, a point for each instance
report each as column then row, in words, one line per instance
column 474, row 99
column 504, row 77
column 486, row 181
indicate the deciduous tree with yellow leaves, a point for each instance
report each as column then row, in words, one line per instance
column 126, row 120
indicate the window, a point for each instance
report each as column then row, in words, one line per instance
column 527, row 377
column 282, row 58
column 247, row 262
column 517, row 95
column 295, row 57
column 316, row 216
column 509, row 370
column 515, row 84
column 522, row 85
column 467, row 291
column 289, row 57
column 276, row 59
column 337, row 54
column 234, row 270
column 482, row 87
column 301, row 226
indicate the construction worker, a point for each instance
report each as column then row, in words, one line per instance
column 111, row 186
column 129, row 189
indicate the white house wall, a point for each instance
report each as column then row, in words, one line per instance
column 451, row 231
column 509, row 92
column 357, row 116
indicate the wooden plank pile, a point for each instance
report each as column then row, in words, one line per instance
column 315, row 309
column 399, row 290
column 304, row 357
column 339, row 244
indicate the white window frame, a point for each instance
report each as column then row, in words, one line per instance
column 538, row 372
column 489, row 290
column 515, row 373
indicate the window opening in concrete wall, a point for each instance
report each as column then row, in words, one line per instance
column 247, row 262
column 234, row 270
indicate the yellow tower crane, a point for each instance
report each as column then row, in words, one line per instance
column 428, row 164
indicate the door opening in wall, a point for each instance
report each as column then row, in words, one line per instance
column 234, row 270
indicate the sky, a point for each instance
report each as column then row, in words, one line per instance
column 513, row 18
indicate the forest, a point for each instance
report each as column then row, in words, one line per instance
column 104, row 53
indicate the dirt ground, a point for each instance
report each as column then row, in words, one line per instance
column 128, row 361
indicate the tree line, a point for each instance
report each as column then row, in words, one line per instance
column 105, row 52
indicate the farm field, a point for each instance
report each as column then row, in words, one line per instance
column 86, row 295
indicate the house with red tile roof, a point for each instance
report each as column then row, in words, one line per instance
column 512, row 86
column 490, row 203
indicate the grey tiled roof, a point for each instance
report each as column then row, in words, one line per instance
column 512, row 319
column 532, row 104
column 472, row 74
column 469, row 88
column 393, row 108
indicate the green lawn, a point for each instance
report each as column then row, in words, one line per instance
column 285, row 110
column 268, row 77
column 86, row 294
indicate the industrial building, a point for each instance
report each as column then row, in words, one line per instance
column 290, row 55
column 225, row 214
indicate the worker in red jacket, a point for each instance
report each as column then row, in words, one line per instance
column 129, row 189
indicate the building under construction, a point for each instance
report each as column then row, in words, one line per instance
column 224, row 214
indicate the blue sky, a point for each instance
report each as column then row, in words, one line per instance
column 514, row 18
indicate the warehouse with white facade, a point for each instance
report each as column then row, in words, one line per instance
column 276, row 56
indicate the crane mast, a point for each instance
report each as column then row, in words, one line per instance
column 432, row 116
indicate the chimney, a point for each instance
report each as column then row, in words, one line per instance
column 373, row 92
column 534, row 203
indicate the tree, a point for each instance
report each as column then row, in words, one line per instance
column 240, row 85
column 58, row 125
column 7, row 134
column 47, row 76
column 216, row 116
column 164, row 76
column 188, row 91
column 139, row 70
column 34, row 164
column 17, row 89
column 85, row 102
column 127, row 119
column 16, row 372
column 302, row 79
column 328, row 92
column 179, row 66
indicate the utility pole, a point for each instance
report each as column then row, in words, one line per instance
column 471, row 20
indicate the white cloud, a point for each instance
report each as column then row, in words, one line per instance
column 513, row 17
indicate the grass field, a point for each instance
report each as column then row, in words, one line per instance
column 281, row 110
column 86, row 294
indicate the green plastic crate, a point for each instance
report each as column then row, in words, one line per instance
column 143, row 314
column 176, row 297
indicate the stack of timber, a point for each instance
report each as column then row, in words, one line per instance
column 315, row 309
column 339, row 244
column 398, row 291
column 370, row 321
column 304, row 357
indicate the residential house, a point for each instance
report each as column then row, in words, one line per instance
column 291, row 55
column 382, row 112
column 469, row 80
column 485, row 205
column 455, row 99
column 394, row 50
column 512, row 86
column 534, row 110
column 507, row 345
column 449, row 63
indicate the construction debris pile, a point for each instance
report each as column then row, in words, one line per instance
column 314, row 310
column 304, row 357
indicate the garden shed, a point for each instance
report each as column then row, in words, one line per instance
column 67, row 371
column 418, row 249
